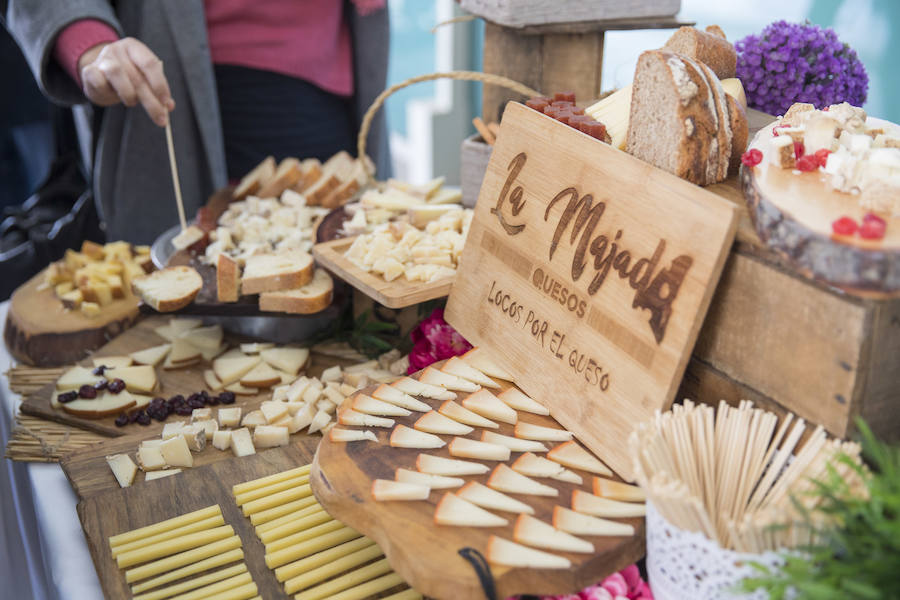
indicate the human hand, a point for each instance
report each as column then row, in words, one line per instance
column 126, row 71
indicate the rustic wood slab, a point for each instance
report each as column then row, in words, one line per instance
column 145, row 503
column 398, row 293
column 587, row 273
column 179, row 381
column 427, row 555
column 41, row 332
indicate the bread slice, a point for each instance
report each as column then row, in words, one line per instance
column 354, row 179
column 228, row 279
column 311, row 172
column 168, row 289
column 709, row 47
column 274, row 272
column 740, row 130
column 320, row 190
column 254, row 180
column 307, row 299
column 285, row 177
column 720, row 157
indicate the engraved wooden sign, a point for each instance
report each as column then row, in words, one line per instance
column 588, row 273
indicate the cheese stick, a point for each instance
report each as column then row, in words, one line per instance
column 170, row 562
column 203, row 525
column 304, row 549
column 276, row 499
column 344, row 582
column 240, row 488
column 191, row 569
column 268, row 515
column 369, row 589
column 169, row 547
column 327, row 571
column 302, row 536
column 322, row 558
column 300, row 524
column 268, row 490
column 215, row 589
column 292, row 516
column 194, row 583
column 192, row 517
column 240, row 592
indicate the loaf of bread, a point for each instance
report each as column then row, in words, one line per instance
column 311, row 298
column 228, row 279
column 168, row 289
column 710, row 48
column 276, row 271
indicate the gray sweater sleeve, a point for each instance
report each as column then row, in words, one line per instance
column 35, row 24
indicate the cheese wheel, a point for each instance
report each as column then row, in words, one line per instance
column 302, row 536
column 309, row 510
column 203, row 525
column 369, row 589
column 344, row 582
column 194, row 583
column 217, row 589
column 170, row 562
column 267, row 516
column 276, row 499
column 191, row 569
column 299, row 524
column 169, row 547
column 304, row 549
column 240, row 488
column 326, row 571
column 192, row 517
column 268, row 490
column 322, row 558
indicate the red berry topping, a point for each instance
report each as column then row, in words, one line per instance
column 115, row 386
column 777, row 127
column 807, row 163
column 798, row 149
column 845, row 226
column 822, row 156
column 873, row 217
column 87, row 392
column 752, row 157
column 872, row 229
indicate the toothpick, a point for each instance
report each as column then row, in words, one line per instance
column 175, row 181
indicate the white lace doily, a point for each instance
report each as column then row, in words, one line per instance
column 683, row 565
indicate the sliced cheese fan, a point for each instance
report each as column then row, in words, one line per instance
column 395, row 396
column 348, row 416
column 371, row 406
column 435, row 422
column 490, row 406
column 435, row 482
column 459, row 368
column 385, row 489
column 406, row 437
column 438, row 465
column 538, row 466
column 338, row 434
column 534, row 532
column 432, row 376
column 414, row 387
column 468, row 448
column 504, row 479
column 571, row 455
column 596, row 506
column 514, row 444
column 530, row 431
column 482, row 495
column 510, row 554
column 570, row 521
column 464, row 415
column 518, row 400
column 616, row 490
column 151, row 356
column 452, row 510
column 481, row 360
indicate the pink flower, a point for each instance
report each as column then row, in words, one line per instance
column 595, row 592
column 434, row 340
column 615, row 584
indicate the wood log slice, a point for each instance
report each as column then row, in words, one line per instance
column 39, row 331
column 793, row 213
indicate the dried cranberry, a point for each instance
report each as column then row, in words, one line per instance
column 798, row 150
column 227, row 397
column 115, row 386
column 66, row 397
column 183, row 410
column 177, row 399
column 845, row 226
column 143, row 418
column 873, row 227
column 807, row 163
column 196, row 402
column 752, row 157
column 122, row 420
column 160, row 414
column 157, row 402
column 212, row 401
column 87, row 391
column 99, row 370
column 822, row 156
column 101, row 385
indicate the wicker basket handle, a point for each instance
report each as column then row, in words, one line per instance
column 460, row 75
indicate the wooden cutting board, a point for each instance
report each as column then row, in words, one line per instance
column 398, row 293
column 180, row 381
column 427, row 555
column 145, row 503
column 41, row 332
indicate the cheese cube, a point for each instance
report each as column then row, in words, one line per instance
column 296, row 389
column 331, row 374
column 279, row 394
column 222, row 439
column 294, row 407
column 230, row 417
column 313, row 391
column 195, row 436
column 273, row 411
column 150, row 458
column 176, row 453
column 270, row 436
column 123, row 468
column 253, row 418
column 152, row 443
column 210, row 427
column 241, row 442
column 201, row 414
column 172, row 429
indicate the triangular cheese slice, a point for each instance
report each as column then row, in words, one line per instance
column 435, row 422
column 414, row 387
column 140, row 401
column 510, row 554
column 183, row 351
column 435, row 482
column 112, row 362
column 233, row 353
column 289, row 360
column 261, row 376
column 165, row 332
column 530, row 431
column 504, row 479
column 574, row 456
column 481, row 360
column 168, row 365
column 406, row 437
column 464, row 415
column 432, row 376
column 395, row 396
column 538, row 466
column 182, row 325
column 351, row 435
column 456, row 366
column 515, row 398
column 468, row 448
column 256, row 347
column 208, row 338
column 590, row 504
column 151, row 356
column 438, row 465
column 616, row 490
column 104, row 405
column 76, row 377
column 348, row 416
column 482, row 495
column 579, row 524
column 230, row 370
column 456, row 511
column 488, row 405
column 212, row 382
column 535, row 532
column 211, row 353
column 238, row 389
column 319, row 421
column 385, row 489
column 371, row 406
column 140, row 378
column 514, row 444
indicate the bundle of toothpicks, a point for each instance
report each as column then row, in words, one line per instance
column 734, row 474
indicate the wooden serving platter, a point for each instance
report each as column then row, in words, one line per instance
column 427, row 555
column 179, row 381
column 145, row 503
column 398, row 293
column 41, row 332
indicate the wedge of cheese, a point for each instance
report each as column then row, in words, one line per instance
column 230, row 370
column 530, row 431
column 438, row 465
column 406, row 437
column 176, row 453
column 348, row 416
column 371, row 406
column 104, row 405
column 123, row 468
column 151, row 356
column 490, row 406
column 534, row 532
column 76, row 377
column 432, row 376
column 456, row 366
column 570, row 521
column 468, row 448
column 385, row 490
column 395, row 396
column 596, row 506
column 481, row 360
column 463, row 415
column 289, row 360
column 183, row 351
column 204, row 338
column 515, row 398
column 571, row 455
column 514, row 444
column 455, row 511
column 435, row 422
column 537, row 466
column 261, row 376
column 614, row 112
column 111, row 362
column 504, row 479
column 338, row 434
column 482, row 495
column 414, row 387
column 616, row 490
column 510, row 554
column 435, row 482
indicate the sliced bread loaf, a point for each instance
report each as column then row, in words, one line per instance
column 709, row 48
column 168, row 289
column 311, row 171
column 228, row 279
column 255, row 179
column 287, row 175
column 277, row 271
column 305, row 300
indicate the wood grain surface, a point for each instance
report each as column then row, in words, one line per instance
column 398, row 293
column 427, row 555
